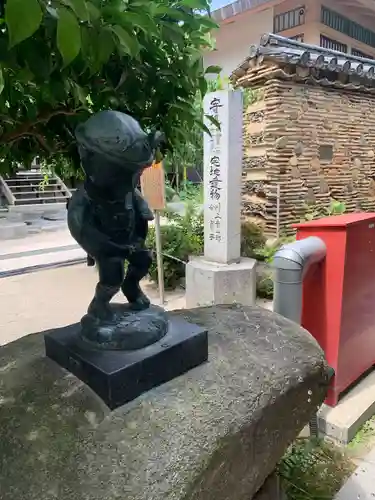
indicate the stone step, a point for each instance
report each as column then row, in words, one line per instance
column 31, row 176
column 41, row 201
column 25, row 183
column 33, row 171
column 36, row 189
column 36, row 208
column 39, row 194
column 12, row 230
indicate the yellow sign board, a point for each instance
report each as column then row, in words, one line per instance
column 153, row 186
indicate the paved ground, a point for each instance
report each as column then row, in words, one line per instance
column 37, row 242
column 38, row 250
column 36, row 301
column 55, row 297
column 361, row 485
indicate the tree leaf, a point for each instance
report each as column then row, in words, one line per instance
column 204, row 127
column 208, row 22
column 213, row 70
column 203, row 86
column 79, row 7
column 194, row 4
column 23, row 18
column 128, row 41
column 170, row 14
column 68, row 36
column 105, row 45
column 214, row 121
column 52, row 12
column 142, row 21
column 80, row 94
column 173, row 32
column 94, row 12
column 2, row 83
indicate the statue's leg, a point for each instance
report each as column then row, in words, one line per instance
column 139, row 264
column 111, row 276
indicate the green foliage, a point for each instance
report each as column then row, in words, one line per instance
column 61, row 60
column 19, row 31
column 313, row 470
column 63, row 167
column 189, row 192
column 170, row 193
column 265, row 286
column 218, row 83
column 335, row 208
column 365, row 433
column 251, row 96
column 267, row 252
column 252, row 240
column 68, row 36
column 188, row 153
column 182, row 237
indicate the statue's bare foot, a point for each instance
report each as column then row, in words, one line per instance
column 134, row 295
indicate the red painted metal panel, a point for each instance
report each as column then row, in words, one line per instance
column 339, row 296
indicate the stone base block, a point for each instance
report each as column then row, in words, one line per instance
column 343, row 422
column 209, row 283
column 119, row 376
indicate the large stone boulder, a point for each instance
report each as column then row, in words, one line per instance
column 215, row 433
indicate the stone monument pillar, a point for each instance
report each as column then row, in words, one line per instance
column 221, row 276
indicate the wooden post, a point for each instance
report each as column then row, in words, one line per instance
column 153, row 190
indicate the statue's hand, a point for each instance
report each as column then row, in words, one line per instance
column 142, row 207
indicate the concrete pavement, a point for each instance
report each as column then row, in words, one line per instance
column 38, row 250
column 361, row 485
column 50, row 298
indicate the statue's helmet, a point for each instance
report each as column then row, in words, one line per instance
column 119, row 139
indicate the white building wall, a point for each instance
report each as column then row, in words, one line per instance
column 234, row 39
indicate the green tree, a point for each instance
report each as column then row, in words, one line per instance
column 61, row 60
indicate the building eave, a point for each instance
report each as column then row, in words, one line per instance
column 289, row 59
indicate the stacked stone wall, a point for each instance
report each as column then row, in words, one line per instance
column 317, row 143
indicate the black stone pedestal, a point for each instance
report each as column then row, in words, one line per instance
column 120, row 376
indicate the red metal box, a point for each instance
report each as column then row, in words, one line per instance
column 339, row 296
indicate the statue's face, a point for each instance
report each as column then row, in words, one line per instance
column 109, row 175
column 114, row 149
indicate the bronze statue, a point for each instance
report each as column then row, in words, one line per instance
column 108, row 216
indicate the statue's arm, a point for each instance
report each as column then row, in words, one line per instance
column 142, row 206
column 83, row 229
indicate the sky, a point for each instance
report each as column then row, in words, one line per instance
column 216, row 4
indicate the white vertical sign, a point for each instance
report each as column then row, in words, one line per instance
column 222, row 176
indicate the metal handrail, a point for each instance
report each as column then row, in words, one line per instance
column 7, row 192
column 63, row 185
